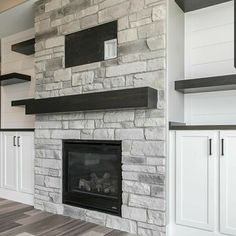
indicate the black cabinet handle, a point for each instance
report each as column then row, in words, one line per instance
column 14, row 141
column 222, row 147
column 210, row 147
column 18, row 141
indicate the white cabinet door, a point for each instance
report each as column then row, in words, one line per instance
column 1, row 161
column 228, row 182
column 196, row 181
column 9, row 161
column 25, row 144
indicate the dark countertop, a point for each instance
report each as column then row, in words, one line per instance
column 16, row 130
column 182, row 126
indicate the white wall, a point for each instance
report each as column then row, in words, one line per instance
column 175, row 66
column 209, row 51
column 14, row 117
column 17, row 19
column 6, row 4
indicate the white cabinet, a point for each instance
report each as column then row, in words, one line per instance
column 9, row 161
column 228, row 183
column 25, row 142
column 196, row 179
column 203, row 183
column 17, row 161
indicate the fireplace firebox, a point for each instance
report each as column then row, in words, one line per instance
column 92, row 175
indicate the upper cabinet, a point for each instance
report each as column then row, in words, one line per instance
column 192, row 5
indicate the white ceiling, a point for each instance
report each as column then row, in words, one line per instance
column 6, row 4
column 16, row 19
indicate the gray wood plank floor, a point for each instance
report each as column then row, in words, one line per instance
column 22, row 220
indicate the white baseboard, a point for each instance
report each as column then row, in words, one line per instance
column 17, row 197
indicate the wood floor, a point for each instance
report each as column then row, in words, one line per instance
column 23, row 220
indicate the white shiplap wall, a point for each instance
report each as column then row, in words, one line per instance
column 209, row 51
column 14, row 117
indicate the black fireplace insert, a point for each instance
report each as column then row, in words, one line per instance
column 92, row 175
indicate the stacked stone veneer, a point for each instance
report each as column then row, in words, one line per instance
column 141, row 62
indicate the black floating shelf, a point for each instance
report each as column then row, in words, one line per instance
column 118, row 99
column 192, row 5
column 25, row 47
column 219, row 83
column 14, row 78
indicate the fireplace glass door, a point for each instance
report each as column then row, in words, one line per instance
column 92, row 175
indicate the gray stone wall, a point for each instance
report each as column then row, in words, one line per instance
column 141, row 62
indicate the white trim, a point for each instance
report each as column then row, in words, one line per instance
column 17, row 196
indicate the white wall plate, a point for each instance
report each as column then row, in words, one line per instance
column 110, row 49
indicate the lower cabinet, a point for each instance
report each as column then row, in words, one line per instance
column 196, row 179
column 228, row 183
column 205, row 183
column 17, row 161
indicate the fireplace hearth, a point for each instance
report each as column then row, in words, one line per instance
column 92, row 175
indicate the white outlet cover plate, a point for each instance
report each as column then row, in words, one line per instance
column 110, row 49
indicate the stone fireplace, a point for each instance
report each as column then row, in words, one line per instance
column 138, row 134
column 92, row 175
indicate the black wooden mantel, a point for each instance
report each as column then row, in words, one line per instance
column 144, row 97
column 192, row 5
